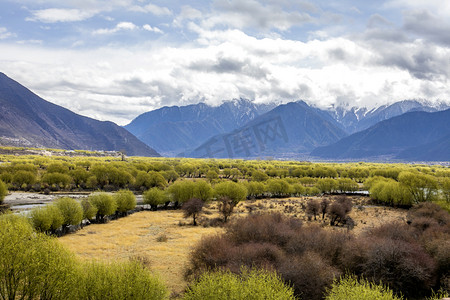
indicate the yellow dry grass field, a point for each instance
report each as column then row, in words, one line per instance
column 142, row 235
column 158, row 238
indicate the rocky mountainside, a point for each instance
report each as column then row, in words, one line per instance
column 28, row 120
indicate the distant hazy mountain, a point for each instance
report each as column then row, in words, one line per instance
column 356, row 119
column 28, row 120
column 171, row 130
column 411, row 136
column 286, row 131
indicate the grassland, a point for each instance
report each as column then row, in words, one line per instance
column 164, row 239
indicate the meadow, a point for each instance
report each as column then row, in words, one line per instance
column 255, row 211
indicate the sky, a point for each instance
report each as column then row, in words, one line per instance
column 116, row 59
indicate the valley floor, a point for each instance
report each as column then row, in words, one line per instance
column 164, row 239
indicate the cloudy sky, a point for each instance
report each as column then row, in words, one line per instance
column 115, row 59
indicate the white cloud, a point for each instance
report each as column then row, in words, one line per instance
column 4, row 33
column 153, row 9
column 54, row 15
column 251, row 13
column 152, row 29
column 119, row 27
column 222, row 65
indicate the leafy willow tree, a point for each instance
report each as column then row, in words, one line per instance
column 350, row 288
column 181, row 191
column 235, row 191
column 119, row 280
column 155, row 197
column 125, row 200
column 327, row 185
column 3, row 191
column 421, row 186
column 47, row 219
column 71, row 211
column 32, row 265
column 105, row 204
column 89, row 210
column 203, row 190
column 250, row 284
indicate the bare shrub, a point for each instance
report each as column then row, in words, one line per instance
column 324, row 204
column 310, row 274
column 313, row 208
column 405, row 267
column 193, row 208
column 272, row 228
column 226, row 207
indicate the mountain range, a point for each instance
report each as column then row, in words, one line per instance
column 28, row 120
column 189, row 126
column 408, row 130
column 289, row 130
column 413, row 136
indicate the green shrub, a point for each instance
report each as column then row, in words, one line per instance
column 155, row 197
column 234, row 191
column 32, row 265
column 60, row 179
column 47, row 218
column 203, row 190
column 3, row 191
column 89, row 210
column 105, row 204
column 350, row 288
column 124, row 280
column 253, row 284
column 125, row 200
column 71, row 210
column 23, row 177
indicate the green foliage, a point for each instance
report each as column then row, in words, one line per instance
column 47, row 218
column 149, row 180
column 105, row 204
column 125, row 200
column 236, row 192
column 350, row 288
column 155, row 197
column 58, row 167
column 57, row 178
column 117, row 281
column 182, row 191
column 278, row 187
column 254, row 189
column 259, row 176
column 347, row 185
column 203, row 190
column 445, row 188
column 23, row 178
column 89, row 210
column 32, row 265
column 253, row 284
column 327, row 185
column 212, row 175
column 3, row 191
column 422, row 187
column 71, row 210
column 390, row 192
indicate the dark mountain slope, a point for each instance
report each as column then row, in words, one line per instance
column 28, row 120
column 391, row 137
column 287, row 130
column 171, row 130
